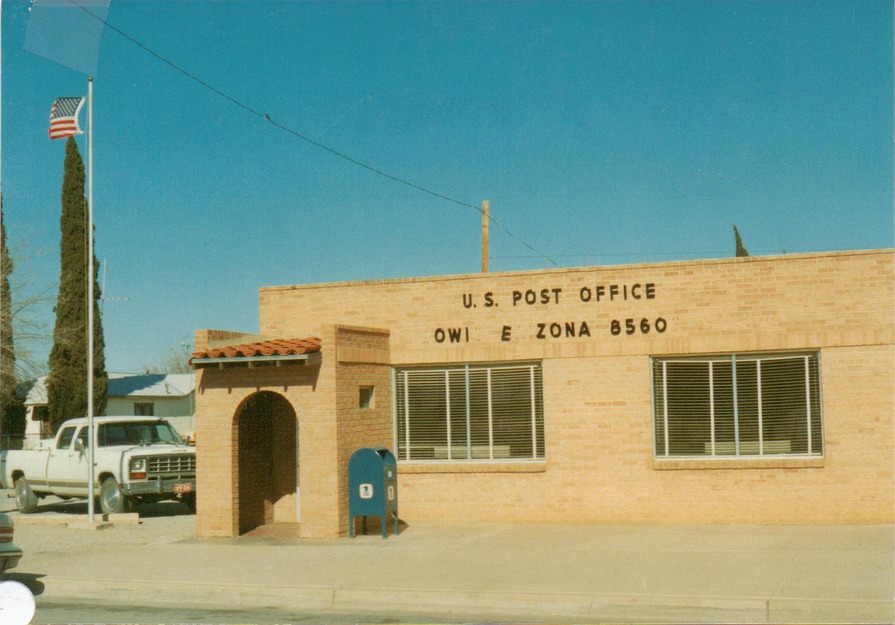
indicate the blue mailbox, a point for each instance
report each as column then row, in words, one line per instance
column 372, row 487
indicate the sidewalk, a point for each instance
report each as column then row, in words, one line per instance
column 569, row 573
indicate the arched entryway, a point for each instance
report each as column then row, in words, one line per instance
column 267, row 452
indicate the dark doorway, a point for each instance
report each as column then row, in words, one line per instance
column 266, row 428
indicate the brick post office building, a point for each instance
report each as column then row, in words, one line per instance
column 747, row 390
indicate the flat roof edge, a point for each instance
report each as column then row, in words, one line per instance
column 554, row 270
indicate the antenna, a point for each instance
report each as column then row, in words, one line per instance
column 486, row 206
column 103, row 299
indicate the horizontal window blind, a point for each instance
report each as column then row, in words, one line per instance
column 737, row 405
column 470, row 412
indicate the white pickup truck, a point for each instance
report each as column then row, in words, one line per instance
column 136, row 459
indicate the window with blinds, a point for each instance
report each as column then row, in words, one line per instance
column 737, row 405
column 470, row 412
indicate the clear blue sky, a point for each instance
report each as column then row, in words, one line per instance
column 601, row 132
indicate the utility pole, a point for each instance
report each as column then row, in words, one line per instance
column 486, row 209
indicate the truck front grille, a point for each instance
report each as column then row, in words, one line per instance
column 182, row 466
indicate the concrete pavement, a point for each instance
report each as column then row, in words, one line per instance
column 569, row 573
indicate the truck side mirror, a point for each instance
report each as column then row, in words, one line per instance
column 79, row 445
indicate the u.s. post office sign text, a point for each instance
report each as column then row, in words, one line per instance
column 553, row 297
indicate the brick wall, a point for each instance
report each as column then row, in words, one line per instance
column 221, row 394
column 598, row 418
column 324, row 401
column 363, row 357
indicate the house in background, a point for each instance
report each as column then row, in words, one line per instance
column 168, row 395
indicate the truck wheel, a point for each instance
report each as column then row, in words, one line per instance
column 26, row 500
column 190, row 501
column 111, row 499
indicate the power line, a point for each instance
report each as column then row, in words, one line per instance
column 266, row 117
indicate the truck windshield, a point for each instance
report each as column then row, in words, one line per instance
column 136, row 434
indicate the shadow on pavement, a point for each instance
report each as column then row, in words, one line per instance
column 31, row 580
column 79, row 506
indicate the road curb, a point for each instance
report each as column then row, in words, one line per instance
column 440, row 602
column 784, row 610
column 76, row 521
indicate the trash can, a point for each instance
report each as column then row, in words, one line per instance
column 372, row 487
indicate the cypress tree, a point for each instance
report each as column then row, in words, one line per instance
column 8, row 379
column 67, row 380
column 740, row 250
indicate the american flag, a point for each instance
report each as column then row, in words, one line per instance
column 64, row 117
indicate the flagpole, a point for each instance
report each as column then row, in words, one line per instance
column 90, row 302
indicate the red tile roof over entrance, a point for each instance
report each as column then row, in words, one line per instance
column 275, row 347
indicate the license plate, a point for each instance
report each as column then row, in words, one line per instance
column 183, row 489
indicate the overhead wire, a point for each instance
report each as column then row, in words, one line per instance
column 266, row 117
